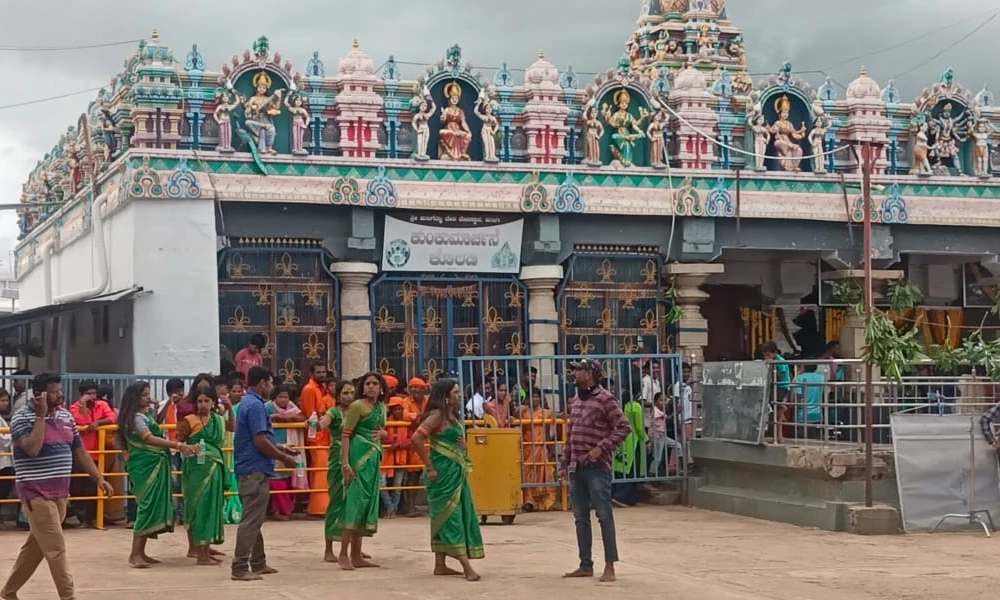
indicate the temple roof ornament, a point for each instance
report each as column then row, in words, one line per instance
column 542, row 75
column 569, row 80
column 827, row 92
column 194, row 61
column 891, row 95
column 357, row 63
column 390, row 71
column 864, row 87
column 690, row 79
column 315, row 67
column 984, row 97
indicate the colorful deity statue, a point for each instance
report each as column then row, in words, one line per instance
column 921, row 152
column 673, row 6
column 761, row 139
column 109, row 134
column 424, row 110
column 948, row 132
column 706, row 44
column 491, row 126
column 981, row 151
column 261, row 109
column 786, row 137
column 226, row 102
column 657, row 145
column 627, row 128
column 592, row 140
column 817, row 142
column 455, row 135
column 300, row 122
column 75, row 169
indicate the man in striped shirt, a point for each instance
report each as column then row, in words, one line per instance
column 597, row 427
column 46, row 442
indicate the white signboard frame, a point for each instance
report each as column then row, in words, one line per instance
column 445, row 243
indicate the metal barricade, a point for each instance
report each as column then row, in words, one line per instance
column 533, row 393
column 822, row 402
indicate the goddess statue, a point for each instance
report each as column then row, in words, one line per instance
column 921, row 152
column 817, row 139
column 673, row 6
column 948, row 133
column 455, row 135
column 227, row 102
column 786, row 136
column 300, row 122
column 654, row 132
column 260, row 110
column 981, row 155
column 627, row 129
column 592, row 141
column 706, row 45
column 110, row 135
column 421, row 124
column 761, row 139
column 491, row 125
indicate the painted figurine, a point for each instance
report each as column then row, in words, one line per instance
column 657, row 146
column 421, row 124
column 110, row 135
column 261, row 109
column 673, row 6
column 761, row 139
column 817, row 141
column 948, row 132
column 786, row 137
column 594, row 133
column 921, row 152
column 627, row 129
column 491, row 125
column 981, row 153
column 75, row 170
column 227, row 102
column 300, row 122
column 455, row 135
column 706, row 46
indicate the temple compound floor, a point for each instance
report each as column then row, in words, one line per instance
column 668, row 552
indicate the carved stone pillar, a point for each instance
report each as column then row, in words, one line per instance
column 692, row 336
column 355, row 316
column 543, row 318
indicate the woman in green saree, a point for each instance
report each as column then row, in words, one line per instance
column 204, row 477
column 454, row 519
column 334, row 420
column 147, row 460
column 361, row 458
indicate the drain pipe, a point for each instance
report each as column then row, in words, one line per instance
column 100, row 257
column 47, row 249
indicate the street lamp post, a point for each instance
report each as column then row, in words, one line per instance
column 869, row 152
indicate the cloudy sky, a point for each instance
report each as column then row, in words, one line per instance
column 587, row 34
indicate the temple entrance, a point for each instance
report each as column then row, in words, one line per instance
column 422, row 325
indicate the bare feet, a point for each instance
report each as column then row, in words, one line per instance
column 446, row 571
column 136, row 562
column 362, row 563
column 329, row 557
column 208, row 562
column 609, row 575
column 150, row 560
column 579, row 573
column 366, row 556
column 471, row 575
column 345, row 563
column 214, row 552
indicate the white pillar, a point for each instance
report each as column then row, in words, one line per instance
column 692, row 335
column 355, row 316
column 543, row 318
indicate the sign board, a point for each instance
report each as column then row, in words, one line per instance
column 436, row 243
column 734, row 401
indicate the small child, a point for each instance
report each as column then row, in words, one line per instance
column 283, row 410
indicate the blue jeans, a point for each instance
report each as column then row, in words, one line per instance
column 390, row 498
column 590, row 488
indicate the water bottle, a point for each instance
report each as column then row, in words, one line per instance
column 313, row 426
column 201, row 452
column 300, row 467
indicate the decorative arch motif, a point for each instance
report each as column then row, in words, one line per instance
column 687, row 201
column 535, row 197
column 145, row 181
column 345, row 190
column 568, row 198
column 381, row 192
column 182, row 182
column 720, row 201
column 894, row 207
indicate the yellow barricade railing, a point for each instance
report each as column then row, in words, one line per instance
column 106, row 456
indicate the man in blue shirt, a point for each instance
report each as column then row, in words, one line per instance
column 810, row 387
column 255, row 451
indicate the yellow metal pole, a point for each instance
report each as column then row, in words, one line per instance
column 101, row 440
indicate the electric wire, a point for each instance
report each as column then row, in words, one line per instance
column 66, row 48
column 951, row 46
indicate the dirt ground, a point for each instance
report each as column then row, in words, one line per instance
column 667, row 552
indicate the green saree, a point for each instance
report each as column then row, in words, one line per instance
column 204, row 485
column 149, row 469
column 362, row 497
column 334, row 522
column 232, row 511
column 454, row 519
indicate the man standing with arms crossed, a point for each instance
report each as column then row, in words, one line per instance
column 597, row 428
column 46, row 443
column 255, row 451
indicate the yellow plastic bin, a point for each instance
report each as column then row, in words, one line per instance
column 496, row 472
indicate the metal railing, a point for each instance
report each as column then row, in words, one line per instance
column 538, row 389
column 823, row 402
column 117, row 383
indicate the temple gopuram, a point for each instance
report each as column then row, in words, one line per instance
column 673, row 203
